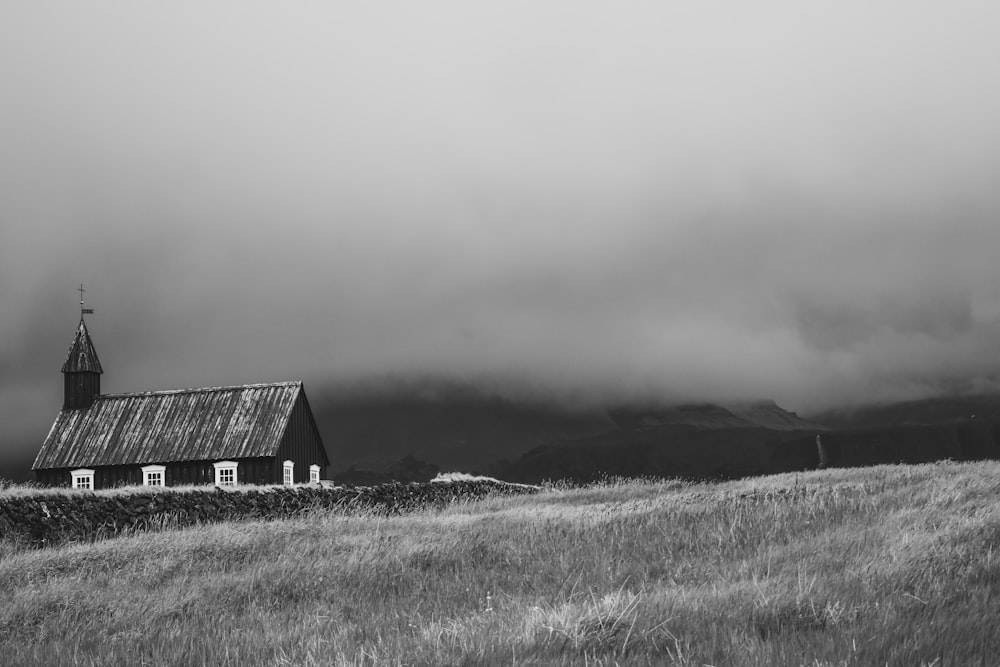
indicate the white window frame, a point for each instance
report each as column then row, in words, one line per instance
column 83, row 478
column 314, row 473
column 288, row 473
column 149, row 471
column 224, row 467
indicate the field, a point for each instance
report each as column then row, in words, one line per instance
column 887, row 565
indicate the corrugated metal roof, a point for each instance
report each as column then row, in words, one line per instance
column 159, row 427
column 82, row 355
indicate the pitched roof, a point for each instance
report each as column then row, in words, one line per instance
column 82, row 356
column 165, row 426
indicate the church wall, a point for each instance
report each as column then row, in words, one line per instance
column 264, row 470
column 301, row 443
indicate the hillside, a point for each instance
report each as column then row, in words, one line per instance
column 880, row 566
column 667, row 451
column 755, row 414
column 387, row 431
column 411, row 430
column 16, row 459
column 936, row 410
column 452, row 425
column 712, row 442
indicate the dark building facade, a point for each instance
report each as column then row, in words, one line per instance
column 247, row 434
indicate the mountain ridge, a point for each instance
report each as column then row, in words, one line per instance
column 450, row 426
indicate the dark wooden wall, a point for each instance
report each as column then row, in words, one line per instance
column 301, row 443
column 105, row 477
column 79, row 390
column 249, row 471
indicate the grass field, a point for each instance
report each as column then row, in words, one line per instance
column 889, row 565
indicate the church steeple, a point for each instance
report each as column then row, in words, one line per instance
column 82, row 370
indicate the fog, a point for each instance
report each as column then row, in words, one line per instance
column 580, row 201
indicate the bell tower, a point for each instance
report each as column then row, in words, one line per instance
column 82, row 370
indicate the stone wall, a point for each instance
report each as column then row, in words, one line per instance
column 58, row 516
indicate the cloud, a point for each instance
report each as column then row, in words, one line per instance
column 704, row 202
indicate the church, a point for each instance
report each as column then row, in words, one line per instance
column 227, row 436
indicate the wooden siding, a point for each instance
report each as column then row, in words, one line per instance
column 301, row 443
column 80, row 389
column 249, row 471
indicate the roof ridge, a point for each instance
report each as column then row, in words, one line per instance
column 203, row 390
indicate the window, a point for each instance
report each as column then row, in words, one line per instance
column 83, row 478
column 314, row 473
column 289, row 472
column 154, row 475
column 225, row 473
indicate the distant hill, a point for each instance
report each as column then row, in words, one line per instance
column 668, row 451
column 16, row 464
column 757, row 414
column 938, row 410
column 714, row 442
column 452, row 425
column 411, row 429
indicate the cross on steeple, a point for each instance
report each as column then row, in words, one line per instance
column 83, row 311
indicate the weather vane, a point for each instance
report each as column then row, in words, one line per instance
column 83, row 311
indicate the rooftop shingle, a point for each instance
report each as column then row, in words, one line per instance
column 165, row 426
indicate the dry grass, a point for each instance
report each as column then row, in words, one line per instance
column 30, row 490
column 890, row 565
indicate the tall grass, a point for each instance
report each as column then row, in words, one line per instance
column 889, row 565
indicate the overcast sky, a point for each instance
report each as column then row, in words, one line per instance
column 708, row 200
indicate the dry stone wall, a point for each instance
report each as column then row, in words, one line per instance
column 53, row 517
